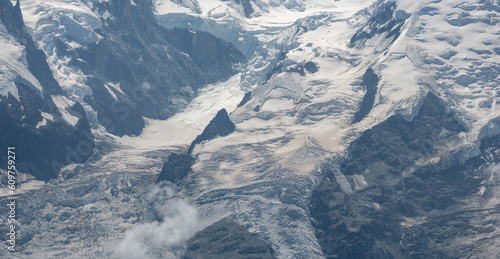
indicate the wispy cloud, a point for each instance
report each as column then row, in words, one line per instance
column 161, row 239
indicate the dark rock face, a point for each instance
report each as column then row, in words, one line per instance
column 276, row 70
column 247, row 7
column 214, row 56
column 227, row 239
column 220, row 125
column 370, row 81
column 394, row 144
column 41, row 152
column 385, row 19
column 12, row 19
column 176, row 167
column 157, row 70
column 297, row 69
column 246, row 98
column 417, row 216
column 311, row 67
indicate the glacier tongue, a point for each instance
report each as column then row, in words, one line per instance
column 296, row 121
column 292, row 114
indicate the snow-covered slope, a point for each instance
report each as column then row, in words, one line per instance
column 297, row 118
column 367, row 129
column 36, row 116
column 114, row 59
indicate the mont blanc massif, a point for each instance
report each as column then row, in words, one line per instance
column 250, row 129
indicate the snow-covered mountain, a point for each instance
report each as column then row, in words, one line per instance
column 256, row 128
column 49, row 130
column 100, row 51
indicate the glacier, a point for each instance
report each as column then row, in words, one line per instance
column 303, row 172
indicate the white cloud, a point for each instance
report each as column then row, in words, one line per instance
column 165, row 239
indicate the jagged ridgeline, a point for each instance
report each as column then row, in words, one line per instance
column 220, row 125
column 369, row 129
column 156, row 70
column 372, row 221
column 178, row 166
column 48, row 130
column 129, row 68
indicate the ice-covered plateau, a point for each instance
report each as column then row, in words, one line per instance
column 336, row 129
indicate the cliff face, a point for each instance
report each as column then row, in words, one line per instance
column 370, row 82
column 176, row 168
column 370, row 129
column 114, row 59
column 373, row 218
column 220, row 125
column 409, row 140
column 109, row 70
column 151, row 65
column 227, row 239
column 214, row 56
column 48, row 130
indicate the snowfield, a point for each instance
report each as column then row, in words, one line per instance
column 264, row 173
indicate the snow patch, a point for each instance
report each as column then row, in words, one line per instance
column 41, row 123
column 115, row 86
column 360, row 181
column 47, row 116
column 63, row 104
column 13, row 66
column 111, row 92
